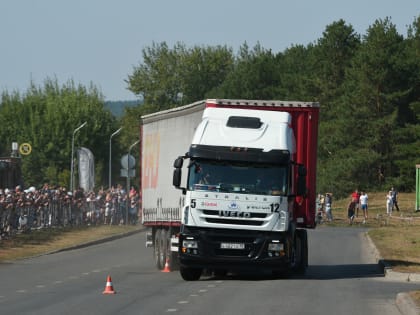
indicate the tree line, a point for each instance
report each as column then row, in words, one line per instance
column 368, row 87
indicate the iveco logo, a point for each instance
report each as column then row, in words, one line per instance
column 233, row 206
column 237, row 214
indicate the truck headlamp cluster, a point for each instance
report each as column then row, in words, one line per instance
column 275, row 249
column 189, row 246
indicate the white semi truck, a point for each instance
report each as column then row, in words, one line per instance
column 245, row 177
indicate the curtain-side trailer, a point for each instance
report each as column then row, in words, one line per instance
column 245, row 172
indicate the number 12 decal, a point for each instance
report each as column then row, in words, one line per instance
column 275, row 207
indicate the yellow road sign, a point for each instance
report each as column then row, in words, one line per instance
column 25, row 149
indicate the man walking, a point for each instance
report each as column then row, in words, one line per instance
column 394, row 195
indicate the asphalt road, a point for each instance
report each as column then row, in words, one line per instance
column 343, row 278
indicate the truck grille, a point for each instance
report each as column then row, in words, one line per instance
column 251, row 219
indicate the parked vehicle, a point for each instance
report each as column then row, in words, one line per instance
column 245, row 172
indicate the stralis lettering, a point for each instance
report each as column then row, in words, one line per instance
column 237, row 214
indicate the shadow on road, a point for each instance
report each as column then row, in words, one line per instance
column 316, row 272
column 328, row 272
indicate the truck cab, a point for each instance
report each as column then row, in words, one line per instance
column 244, row 193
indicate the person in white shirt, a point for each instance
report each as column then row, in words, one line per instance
column 389, row 203
column 363, row 200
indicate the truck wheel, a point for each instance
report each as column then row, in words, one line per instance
column 302, row 251
column 190, row 274
column 163, row 247
column 158, row 250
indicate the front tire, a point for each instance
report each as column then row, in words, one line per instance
column 190, row 274
column 302, row 249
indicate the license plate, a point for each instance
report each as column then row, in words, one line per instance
column 232, row 245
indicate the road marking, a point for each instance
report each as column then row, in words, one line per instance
column 21, row 291
column 183, row 302
column 202, row 290
column 40, row 285
column 171, row 310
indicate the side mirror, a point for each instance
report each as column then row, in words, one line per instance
column 176, row 180
column 179, row 162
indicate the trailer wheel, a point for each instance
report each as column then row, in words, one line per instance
column 190, row 274
column 163, row 247
column 159, row 261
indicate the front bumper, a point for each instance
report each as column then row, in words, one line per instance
column 234, row 249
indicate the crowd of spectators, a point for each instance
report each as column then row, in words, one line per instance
column 32, row 208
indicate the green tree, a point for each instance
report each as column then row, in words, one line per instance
column 255, row 75
column 172, row 77
column 46, row 117
column 368, row 122
column 334, row 53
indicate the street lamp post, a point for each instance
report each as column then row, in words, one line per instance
column 128, row 180
column 110, row 156
column 72, row 155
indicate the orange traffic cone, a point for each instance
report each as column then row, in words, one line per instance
column 166, row 269
column 109, row 289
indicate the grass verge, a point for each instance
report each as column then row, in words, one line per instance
column 39, row 242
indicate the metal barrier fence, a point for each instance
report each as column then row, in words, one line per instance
column 24, row 212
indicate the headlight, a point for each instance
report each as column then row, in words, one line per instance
column 189, row 244
column 275, row 247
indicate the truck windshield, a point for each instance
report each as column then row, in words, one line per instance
column 261, row 179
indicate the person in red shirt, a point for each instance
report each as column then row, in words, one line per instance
column 355, row 197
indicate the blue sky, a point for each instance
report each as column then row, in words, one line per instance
column 100, row 41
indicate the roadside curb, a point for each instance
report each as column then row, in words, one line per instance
column 403, row 300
